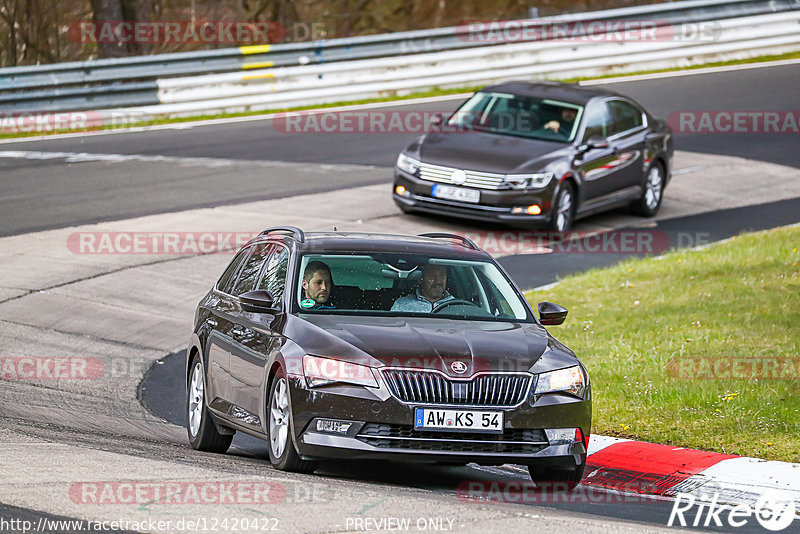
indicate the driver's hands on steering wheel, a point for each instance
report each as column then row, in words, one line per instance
column 452, row 302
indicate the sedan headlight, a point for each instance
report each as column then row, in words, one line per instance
column 569, row 380
column 529, row 181
column 407, row 164
column 322, row 371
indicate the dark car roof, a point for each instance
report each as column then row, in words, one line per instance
column 566, row 92
column 372, row 242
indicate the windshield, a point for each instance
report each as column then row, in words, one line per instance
column 522, row 116
column 405, row 284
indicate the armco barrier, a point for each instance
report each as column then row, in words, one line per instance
column 265, row 77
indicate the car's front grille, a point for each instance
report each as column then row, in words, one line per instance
column 514, row 441
column 482, row 180
column 432, row 387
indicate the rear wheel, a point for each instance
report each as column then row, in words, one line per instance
column 203, row 434
column 563, row 209
column 282, row 453
column 650, row 201
column 557, row 480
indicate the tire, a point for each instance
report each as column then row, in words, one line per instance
column 650, row 201
column 563, row 209
column 282, row 453
column 202, row 431
column 561, row 479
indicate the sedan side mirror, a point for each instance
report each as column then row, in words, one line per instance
column 551, row 314
column 597, row 141
column 258, row 301
column 437, row 119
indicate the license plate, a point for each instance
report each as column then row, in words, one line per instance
column 456, row 193
column 458, row 420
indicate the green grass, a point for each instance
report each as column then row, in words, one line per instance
column 419, row 94
column 738, row 299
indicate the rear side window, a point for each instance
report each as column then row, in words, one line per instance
column 226, row 280
column 249, row 273
column 625, row 116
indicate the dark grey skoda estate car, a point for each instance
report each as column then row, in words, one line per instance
column 369, row 346
column 537, row 155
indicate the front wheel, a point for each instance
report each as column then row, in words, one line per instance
column 282, row 453
column 563, row 209
column 650, row 201
column 557, row 480
column 203, row 434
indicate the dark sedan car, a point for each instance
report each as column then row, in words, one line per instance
column 539, row 155
column 366, row 346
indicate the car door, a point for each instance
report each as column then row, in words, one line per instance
column 628, row 139
column 217, row 314
column 255, row 334
column 598, row 166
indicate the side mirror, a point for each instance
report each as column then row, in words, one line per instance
column 258, row 301
column 597, row 141
column 551, row 314
column 437, row 119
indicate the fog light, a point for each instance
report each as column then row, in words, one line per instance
column 333, row 427
column 533, row 209
column 400, row 190
column 563, row 436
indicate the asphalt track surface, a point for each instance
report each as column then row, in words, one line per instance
column 37, row 195
column 258, row 141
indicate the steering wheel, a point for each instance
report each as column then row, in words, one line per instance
column 453, row 302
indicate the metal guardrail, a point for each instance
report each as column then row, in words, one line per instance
column 146, row 80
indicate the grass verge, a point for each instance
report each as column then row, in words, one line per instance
column 420, row 94
column 653, row 333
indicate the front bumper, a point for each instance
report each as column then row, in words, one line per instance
column 382, row 428
column 494, row 206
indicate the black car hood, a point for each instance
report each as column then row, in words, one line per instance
column 486, row 152
column 430, row 343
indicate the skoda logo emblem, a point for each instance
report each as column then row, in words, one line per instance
column 459, row 367
column 458, row 177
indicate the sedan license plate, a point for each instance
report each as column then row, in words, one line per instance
column 456, row 193
column 458, row 420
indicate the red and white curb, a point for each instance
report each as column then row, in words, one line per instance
column 668, row 471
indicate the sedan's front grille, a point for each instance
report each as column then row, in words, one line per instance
column 513, row 441
column 432, row 387
column 482, row 180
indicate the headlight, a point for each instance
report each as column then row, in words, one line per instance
column 529, row 181
column 321, row 371
column 569, row 380
column 407, row 164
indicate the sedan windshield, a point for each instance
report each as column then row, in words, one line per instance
column 522, row 116
column 405, row 284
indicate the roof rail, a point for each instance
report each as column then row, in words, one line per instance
column 297, row 233
column 465, row 241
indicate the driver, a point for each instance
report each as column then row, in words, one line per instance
column 317, row 285
column 430, row 293
column 564, row 127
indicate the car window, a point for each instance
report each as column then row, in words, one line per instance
column 598, row 121
column 394, row 284
column 518, row 115
column 274, row 277
column 229, row 276
column 249, row 272
column 625, row 116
